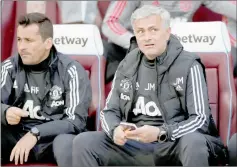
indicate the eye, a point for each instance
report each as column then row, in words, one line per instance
column 139, row 31
column 154, row 30
column 18, row 39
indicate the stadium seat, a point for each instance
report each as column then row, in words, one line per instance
column 205, row 14
column 103, row 6
column 91, row 65
column 108, row 88
column 90, row 54
column 222, row 98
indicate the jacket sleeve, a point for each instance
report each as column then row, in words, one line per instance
column 77, row 102
column 6, row 88
column 226, row 8
column 117, row 15
column 197, row 104
column 111, row 115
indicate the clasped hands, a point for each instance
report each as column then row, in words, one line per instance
column 145, row 134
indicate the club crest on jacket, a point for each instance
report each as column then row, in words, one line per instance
column 55, row 92
column 126, row 85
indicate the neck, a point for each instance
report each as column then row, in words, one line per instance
column 42, row 66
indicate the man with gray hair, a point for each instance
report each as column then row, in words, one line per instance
column 117, row 28
column 157, row 112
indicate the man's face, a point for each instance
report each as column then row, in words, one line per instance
column 30, row 45
column 151, row 35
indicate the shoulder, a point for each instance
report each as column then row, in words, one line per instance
column 70, row 66
column 10, row 64
column 188, row 55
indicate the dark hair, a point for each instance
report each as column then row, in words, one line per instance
column 44, row 23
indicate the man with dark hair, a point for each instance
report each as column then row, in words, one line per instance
column 43, row 94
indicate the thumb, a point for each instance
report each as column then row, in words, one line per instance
column 22, row 113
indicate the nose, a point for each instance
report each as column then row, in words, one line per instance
column 147, row 36
column 21, row 45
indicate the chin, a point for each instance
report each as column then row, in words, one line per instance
column 27, row 62
column 150, row 56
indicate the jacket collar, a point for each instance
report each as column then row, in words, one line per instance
column 52, row 62
column 129, row 66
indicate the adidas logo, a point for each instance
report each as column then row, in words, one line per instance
column 15, row 85
column 26, row 88
column 178, row 88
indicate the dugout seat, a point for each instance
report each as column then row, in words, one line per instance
column 90, row 55
column 221, row 91
column 103, row 6
column 91, row 65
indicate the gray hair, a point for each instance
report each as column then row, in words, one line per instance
column 148, row 10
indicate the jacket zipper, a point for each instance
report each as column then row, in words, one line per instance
column 162, row 108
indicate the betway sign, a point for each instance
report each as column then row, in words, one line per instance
column 78, row 39
column 202, row 36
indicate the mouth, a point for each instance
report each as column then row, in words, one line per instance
column 24, row 55
column 149, row 45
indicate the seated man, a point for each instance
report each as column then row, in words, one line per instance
column 43, row 94
column 161, row 89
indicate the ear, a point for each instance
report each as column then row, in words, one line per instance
column 168, row 32
column 48, row 43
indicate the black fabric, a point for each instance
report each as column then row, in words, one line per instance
column 113, row 54
column 97, row 149
column 232, row 148
column 234, row 58
column 42, row 66
column 35, row 83
column 146, row 95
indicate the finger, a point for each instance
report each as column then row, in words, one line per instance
column 17, row 154
column 26, row 155
column 132, row 137
column 118, row 138
column 12, row 154
column 21, row 113
column 120, row 142
column 14, row 116
column 132, row 133
column 126, row 130
column 11, row 120
column 22, row 152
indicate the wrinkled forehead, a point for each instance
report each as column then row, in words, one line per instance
column 148, row 21
column 28, row 31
